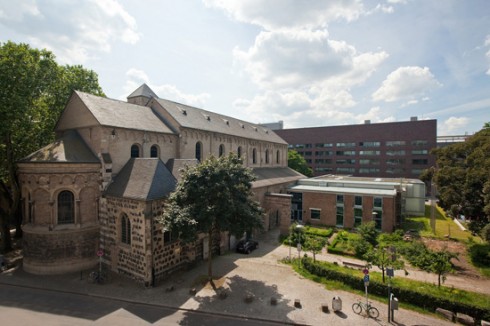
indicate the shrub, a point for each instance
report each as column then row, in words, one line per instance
column 368, row 232
column 480, row 254
column 361, row 247
column 423, row 295
column 485, row 233
column 318, row 232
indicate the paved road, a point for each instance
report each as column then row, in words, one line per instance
column 259, row 274
column 27, row 306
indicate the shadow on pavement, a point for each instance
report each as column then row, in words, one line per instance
column 238, row 296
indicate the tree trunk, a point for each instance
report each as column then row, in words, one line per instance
column 14, row 188
column 5, row 241
column 383, row 270
column 210, row 255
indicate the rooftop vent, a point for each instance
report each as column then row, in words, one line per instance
column 413, row 119
column 367, row 122
column 182, row 110
column 207, row 117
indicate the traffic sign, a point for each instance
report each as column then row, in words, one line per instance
column 366, row 278
column 365, row 271
column 100, row 253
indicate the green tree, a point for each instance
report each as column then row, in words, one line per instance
column 212, row 197
column 33, row 92
column 462, row 178
column 440, row 264
column 315, row 245
column 383, row 258
column 485, row 233
column 368, row 232
column 298, row 163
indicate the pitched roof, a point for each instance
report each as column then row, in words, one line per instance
column 143, row 179
column 121, row 114
column 273, row 176
column 191, row 117
column 175, row 165
column 143, row 90
column 70, row 148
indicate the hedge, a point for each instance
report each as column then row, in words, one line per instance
column 427, row 301
column 318, row 232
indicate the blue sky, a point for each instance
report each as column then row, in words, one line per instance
column 306, row 62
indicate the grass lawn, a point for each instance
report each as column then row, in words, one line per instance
column 444, row 226
column 449, row 293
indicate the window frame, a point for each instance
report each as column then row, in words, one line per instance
column 125, row 236
column 154, row 151
column 66, row 207
column 316, row 211
column 135, row 151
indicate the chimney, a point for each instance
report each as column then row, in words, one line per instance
column 367, row 122
column 413, row 118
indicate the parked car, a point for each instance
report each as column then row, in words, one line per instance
column 246, row 246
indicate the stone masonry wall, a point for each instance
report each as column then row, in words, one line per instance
column 57, row 252
column 127, row 259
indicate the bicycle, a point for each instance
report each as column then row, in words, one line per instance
column 372, row 312
column 97, row 277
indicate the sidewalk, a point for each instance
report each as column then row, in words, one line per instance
column 258, row 275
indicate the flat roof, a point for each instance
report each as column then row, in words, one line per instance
column 344, row 190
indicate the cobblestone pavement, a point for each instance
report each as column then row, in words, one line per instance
column 248, row 284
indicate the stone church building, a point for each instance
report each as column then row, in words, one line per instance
column 96, row 191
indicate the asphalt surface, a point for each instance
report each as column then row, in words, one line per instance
column 250, row 283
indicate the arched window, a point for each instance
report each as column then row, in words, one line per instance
column 66, row 207
column 254, row 156
column 199, row 151
column 239, row 152
column 221, row 150
column 278, row 157
column 266, row 156
column 125, row 229
column 154, row 151
column 135, row 151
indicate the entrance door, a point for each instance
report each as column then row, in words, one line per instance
column 297, row 206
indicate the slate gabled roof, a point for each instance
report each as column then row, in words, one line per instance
column 175, row 165
column 272, row 176
column 191, row 117
column 143, row 179
column 143, row 90
column 121, row 114
column 70, row 148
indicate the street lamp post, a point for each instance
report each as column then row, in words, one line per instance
column 297, row 228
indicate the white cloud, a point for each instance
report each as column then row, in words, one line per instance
column 74, row 31
column 301, row 59
column 137, row 77
column 374, row 115
column 289, row 14
column 294, row 59
column 487, row 44
column 398, row 1
column 406, row 83
column 453, row 123
column 15, row 11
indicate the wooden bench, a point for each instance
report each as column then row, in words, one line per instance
column 353, row 265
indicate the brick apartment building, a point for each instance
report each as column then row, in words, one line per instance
column 386, row 150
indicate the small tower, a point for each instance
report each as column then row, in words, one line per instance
column 141, row 95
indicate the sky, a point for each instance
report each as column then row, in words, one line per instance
column 309, row 63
